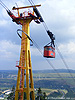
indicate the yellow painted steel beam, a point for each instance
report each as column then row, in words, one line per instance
column 25, row 62
column 25, row 7
column 25, row 67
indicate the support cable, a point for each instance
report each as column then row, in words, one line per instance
column 64, row 61
column 52, row 66
column 4, row 5
column 46, row 28
column 30, row 2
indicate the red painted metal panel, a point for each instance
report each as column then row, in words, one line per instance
column 49, row 52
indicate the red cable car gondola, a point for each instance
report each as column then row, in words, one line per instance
column 49, row 51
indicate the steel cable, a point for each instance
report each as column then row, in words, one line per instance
column 4, row 5
column 46, row 28
column 64, row 61
column 52, row 66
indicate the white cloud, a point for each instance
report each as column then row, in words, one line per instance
column 9, row 50
column 3, row 22
column 58, row 12
column 59, row 16
column 58, row 7
column 36, row 51
column 67, row 48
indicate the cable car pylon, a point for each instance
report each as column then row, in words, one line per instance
column 25, row 83
column 25, row 78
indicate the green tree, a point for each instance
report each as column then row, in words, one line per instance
column 44, row 96
column 39, row 91
column 70, row 94
column 12, row 94
column 40, row 95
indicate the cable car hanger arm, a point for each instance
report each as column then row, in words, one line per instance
column 52, row 37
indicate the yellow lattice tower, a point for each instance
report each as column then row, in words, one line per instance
column 25, row 78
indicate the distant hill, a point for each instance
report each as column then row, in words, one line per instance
column 41, row 71
column 42, row 78
column 54, row 71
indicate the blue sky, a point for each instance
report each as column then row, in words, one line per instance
column 59, row 16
